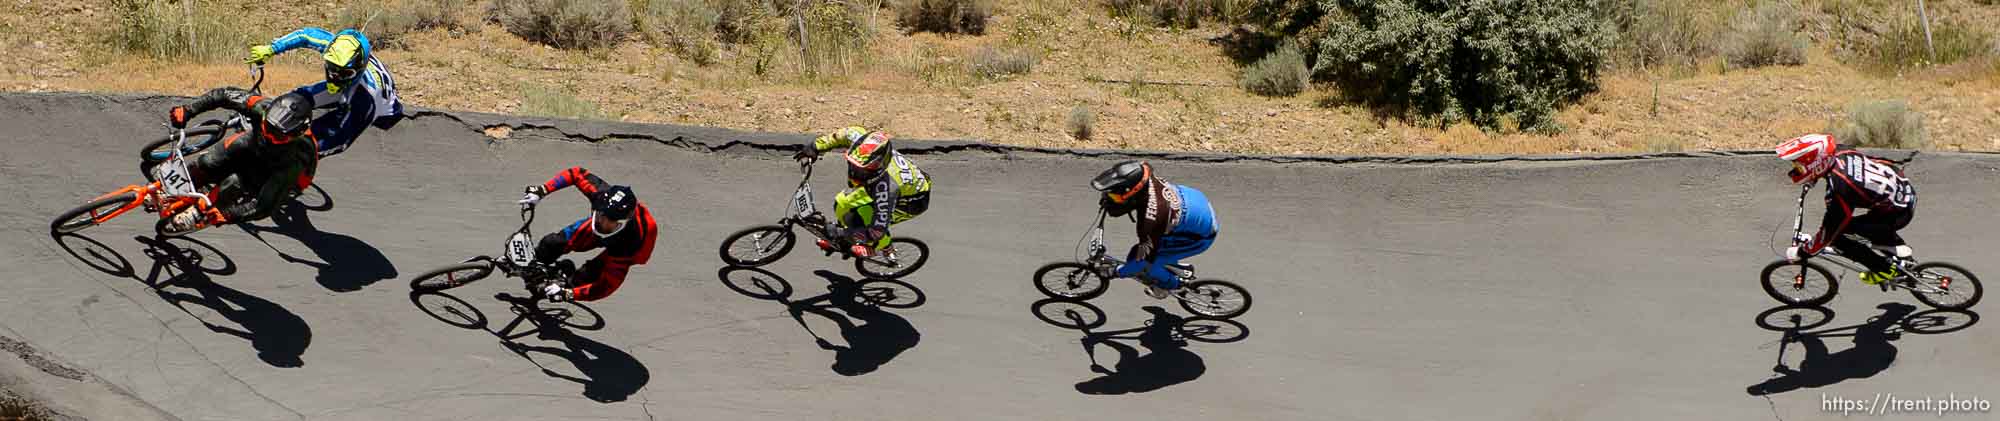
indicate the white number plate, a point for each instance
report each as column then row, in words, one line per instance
column 518, row 250
column 802, row 202
column 174, row 178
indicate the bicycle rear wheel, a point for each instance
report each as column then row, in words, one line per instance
column 91, row 214
column 1214, row 298
column 1798, row 284
column 453, row 276
column 757, row 246
column 1945, row 285
column 1070, row 281
column 910, row 255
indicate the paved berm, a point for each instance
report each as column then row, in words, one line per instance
column 1386, row 289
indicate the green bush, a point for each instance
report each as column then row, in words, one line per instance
column 1882, row 124
column 568, row 24
column 1903, row 44
column 994, row 63
column 543, row 101
column 159, row 29
column 688, row 27
column 1479, row 62
column 1765, row 35
column 1281, row 73
column 944, row 16
column 836, row 37
column 1657, row 32
column 386, row 23
column 1080, row 121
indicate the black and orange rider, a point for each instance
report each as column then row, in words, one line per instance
column 618, row 222
column 267, row 165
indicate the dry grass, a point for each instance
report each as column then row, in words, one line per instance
column 484, row 68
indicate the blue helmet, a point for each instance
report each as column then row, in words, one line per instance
column 346, row 57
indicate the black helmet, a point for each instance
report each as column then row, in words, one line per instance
column 289, row 113
column 616, row 202
column 1123, row 180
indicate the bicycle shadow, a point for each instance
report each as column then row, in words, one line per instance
column 1872, row 353
column 279, row 336
column 1165, row 337
column 346, row 263
column 607, row 373
column 872, row 335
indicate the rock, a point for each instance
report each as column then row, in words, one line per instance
column 1271, row 112
column 819, row 99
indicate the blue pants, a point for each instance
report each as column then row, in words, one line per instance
column 1192, row 237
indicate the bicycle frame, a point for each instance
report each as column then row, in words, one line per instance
column 1903, row 265
column 177, row 194
column 1099, row 255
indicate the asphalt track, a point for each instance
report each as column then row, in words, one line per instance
column 1451, row 290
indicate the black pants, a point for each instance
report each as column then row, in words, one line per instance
column 1878, row 228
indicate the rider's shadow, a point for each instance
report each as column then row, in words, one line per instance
column 873, row 336
column 607, row 374
column 345, row 263
column 279, row 336
column 1872, row 353
column 1169, row 362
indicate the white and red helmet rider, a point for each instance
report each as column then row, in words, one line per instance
column 1811, row 156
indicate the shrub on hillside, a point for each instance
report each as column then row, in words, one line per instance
column 1903, row 45
column 173, row 31
column 836, row 37
column 1882, row 124
column 569, row 24
column 386, row 23
column 993, row 63
column 1478, row 62
column 1181, row 13
column 688, row 27
column 944, row 16
column 1080, row 121
column 1765, row 35
column 1656, row 32
column 1281, row 73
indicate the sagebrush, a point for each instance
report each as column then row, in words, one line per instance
column 835, row 38
column 569, row 24
column 993, row 63
column 1662, row 32
column 167, row 30
column 1765, row 35
column 1478, row 62
column 1281, row 73
column 944, row 16
column 1080, row 122
column 386, row 23
column 1903, row 45
column 1882, row 124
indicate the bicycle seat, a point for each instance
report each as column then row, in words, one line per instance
column 1182, row 267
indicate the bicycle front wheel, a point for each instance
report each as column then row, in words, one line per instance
column 91, row 214
column 1799, row 284
column 1069, row 281
column 1214, row 298
column 1945, row 285
column 757, row 246
column 453, row 276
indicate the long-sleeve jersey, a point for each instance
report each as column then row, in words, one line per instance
column 255, row 157
column 372, row 101
column 888, row 189
column 631, row 246
column 1859, row 182
column 1164, row 213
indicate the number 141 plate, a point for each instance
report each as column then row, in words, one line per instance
column 174, row 178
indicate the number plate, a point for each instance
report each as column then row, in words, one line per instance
column 520, row 250
column 174, row 178
column 802, row 203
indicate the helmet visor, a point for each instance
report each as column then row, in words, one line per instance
column 1120, row 198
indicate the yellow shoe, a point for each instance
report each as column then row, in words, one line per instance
column 1877, row 278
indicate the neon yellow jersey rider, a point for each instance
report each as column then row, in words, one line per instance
column 879, row 180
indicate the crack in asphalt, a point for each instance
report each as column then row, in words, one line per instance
column 1774, row 408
